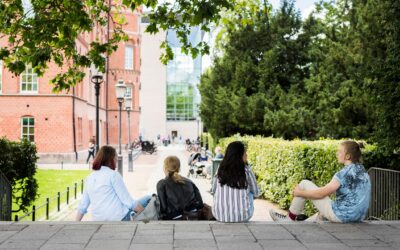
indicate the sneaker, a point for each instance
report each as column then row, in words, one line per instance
column 277, row 216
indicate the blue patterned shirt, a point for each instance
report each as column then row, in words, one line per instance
column 354, row 193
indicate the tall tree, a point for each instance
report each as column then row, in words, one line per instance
column 377, row 32
column 264, row 61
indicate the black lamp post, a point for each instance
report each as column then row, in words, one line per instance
column 97, row 79
column 120, row 89
column 128, row 108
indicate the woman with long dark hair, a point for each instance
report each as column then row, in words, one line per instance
column 106, row 192
column 234, row 186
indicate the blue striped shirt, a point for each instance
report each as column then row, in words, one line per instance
column 232, row 204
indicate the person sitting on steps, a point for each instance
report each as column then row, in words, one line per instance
column 178, row 195
column 352, row 186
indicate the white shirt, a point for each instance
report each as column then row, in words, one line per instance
column 107, row 196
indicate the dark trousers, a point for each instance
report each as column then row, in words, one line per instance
column 91, row 153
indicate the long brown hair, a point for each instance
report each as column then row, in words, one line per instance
column 172, row 165
column 105, row 157
column 353, row 149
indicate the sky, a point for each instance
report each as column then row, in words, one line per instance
column 305, row 6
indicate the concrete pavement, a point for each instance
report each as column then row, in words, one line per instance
column 199, row 235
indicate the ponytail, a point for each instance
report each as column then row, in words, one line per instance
column 172, row 166
column 177, row 178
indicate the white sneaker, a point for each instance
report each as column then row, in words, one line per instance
column 277, row 216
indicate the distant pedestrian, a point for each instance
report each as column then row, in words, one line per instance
column 91, row 149
column 106, row 192
column 218, row 154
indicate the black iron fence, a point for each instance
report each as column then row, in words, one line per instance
column 385, row 200
column 5, row 198
column 43, row 210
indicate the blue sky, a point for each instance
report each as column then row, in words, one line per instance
column 305, row 6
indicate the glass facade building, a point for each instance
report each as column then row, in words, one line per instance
column 183, row 76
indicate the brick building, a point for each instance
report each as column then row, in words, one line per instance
column 61, row 124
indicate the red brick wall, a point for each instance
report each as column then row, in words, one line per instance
column 53, row 113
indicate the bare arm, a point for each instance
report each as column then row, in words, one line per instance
column 78, row 217
column 318, row 193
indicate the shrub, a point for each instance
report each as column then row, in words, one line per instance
column 280, row 165
column 18, row 163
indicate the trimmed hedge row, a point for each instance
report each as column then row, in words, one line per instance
column 280, row 165
column 18, row 163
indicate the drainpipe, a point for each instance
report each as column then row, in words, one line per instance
column 73, row 123
column 107, row 67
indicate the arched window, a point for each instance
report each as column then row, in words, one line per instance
column 28, row 128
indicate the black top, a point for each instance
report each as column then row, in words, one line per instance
column 176, row 198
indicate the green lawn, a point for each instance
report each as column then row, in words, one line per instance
column 52, row 181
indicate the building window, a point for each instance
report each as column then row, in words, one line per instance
column 80, row 131
column 1, row 76
column 128, row 57
column 29, row 81
column 180, row 102
column 28, row 128
column 128, row 92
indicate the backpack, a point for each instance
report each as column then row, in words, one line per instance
column 150, row 212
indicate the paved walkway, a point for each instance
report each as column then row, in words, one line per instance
column 148, row 170
column 198, row 235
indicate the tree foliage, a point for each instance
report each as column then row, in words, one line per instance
column 18, row 164
column 47, row 31
column 333, row 74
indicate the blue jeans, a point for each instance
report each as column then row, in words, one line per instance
column 251, row 205
column 144, row 201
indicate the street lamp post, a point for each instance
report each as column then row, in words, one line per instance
column 120, row 89
column 97, row 79
column 128, row 108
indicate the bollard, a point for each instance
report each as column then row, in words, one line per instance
column 62, row 165
column 67, row 195
column 16, row 217
column 58, row 201
column 47, row 208
column 33, row 212
column 75, row 188
column 81, row 186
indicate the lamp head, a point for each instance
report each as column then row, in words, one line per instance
column 120, row 89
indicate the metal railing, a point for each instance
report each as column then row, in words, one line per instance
column 5, row 198
column 385, row 199
column 46, row 205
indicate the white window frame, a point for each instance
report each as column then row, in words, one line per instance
column 129, row 57
column 34, row 81
column 128, row 92
column 28, row 134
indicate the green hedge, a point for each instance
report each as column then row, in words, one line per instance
column 206, row 138
column 18, row 164
column 280, row 165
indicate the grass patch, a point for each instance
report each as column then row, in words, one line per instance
column 50, row 182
